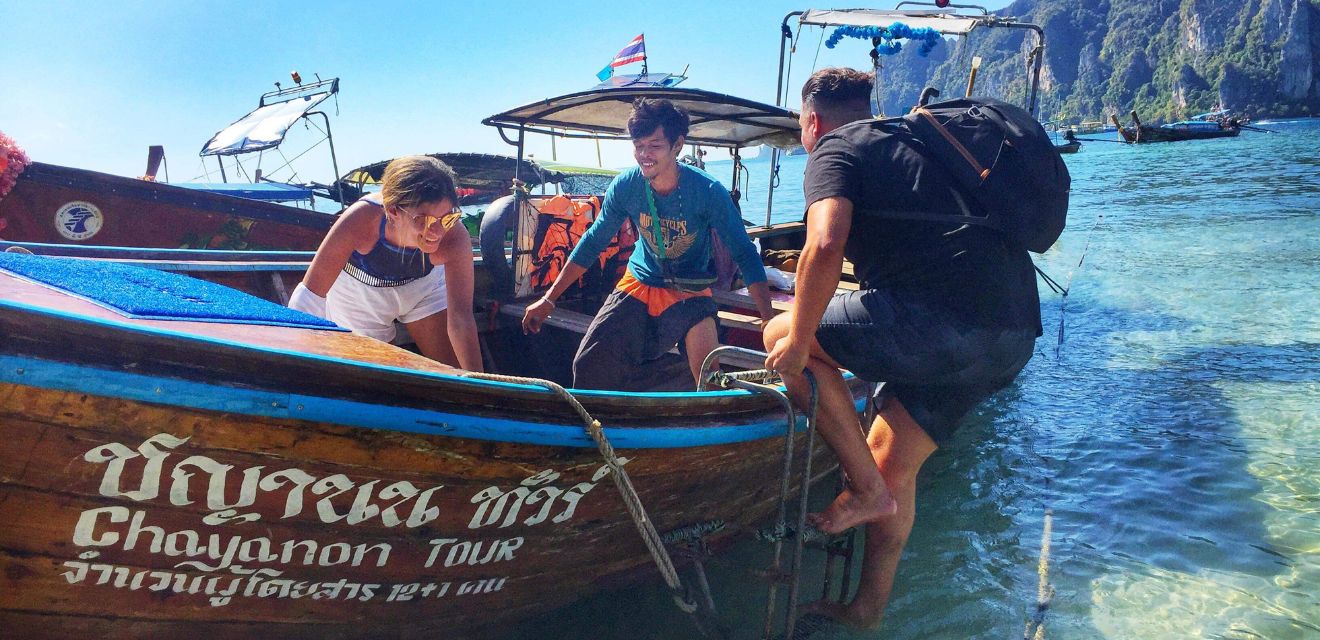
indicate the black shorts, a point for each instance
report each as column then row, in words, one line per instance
column 627, row 349
column 934, row 362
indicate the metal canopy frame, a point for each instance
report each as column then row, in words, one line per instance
column 309, row 91
column 944, row 20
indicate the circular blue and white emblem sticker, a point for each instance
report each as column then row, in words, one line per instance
column 78, row 220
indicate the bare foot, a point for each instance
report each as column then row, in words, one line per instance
column 853, row 615
column 853, row 508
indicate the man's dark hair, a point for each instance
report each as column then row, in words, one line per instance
column 649, row 113
column 838, row 94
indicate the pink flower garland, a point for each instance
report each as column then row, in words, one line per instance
column 12, row 162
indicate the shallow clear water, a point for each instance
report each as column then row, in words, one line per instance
column 1175, row 435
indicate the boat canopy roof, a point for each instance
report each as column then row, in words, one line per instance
column 265, row 126
column 486, row 171
column 944, row 21
column 576, row 170
column 473, row 171
column 717, row 119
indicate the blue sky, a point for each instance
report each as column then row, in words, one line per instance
column 91, row 84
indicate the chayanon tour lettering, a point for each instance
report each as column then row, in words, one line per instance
column 225, row 565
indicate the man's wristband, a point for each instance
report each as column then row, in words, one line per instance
column 546, row 299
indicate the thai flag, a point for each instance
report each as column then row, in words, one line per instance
column 634, row 52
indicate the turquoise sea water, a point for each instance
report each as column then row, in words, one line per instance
column 1175, row 435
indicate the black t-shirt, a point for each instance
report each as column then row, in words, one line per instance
column 966, row 268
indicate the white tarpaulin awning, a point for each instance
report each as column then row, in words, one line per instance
column 942, row 21
column 716, row 119
column 261, row 129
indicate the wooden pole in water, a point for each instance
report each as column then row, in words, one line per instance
column 1136, row 123
column 1121, row 137
column 971, row 80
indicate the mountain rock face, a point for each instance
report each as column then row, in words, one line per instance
column 1165, row 59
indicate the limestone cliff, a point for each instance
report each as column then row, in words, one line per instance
column 1164, row 58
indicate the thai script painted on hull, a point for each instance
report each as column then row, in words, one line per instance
column 233, row 557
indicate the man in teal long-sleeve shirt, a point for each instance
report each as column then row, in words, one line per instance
column 664, row 299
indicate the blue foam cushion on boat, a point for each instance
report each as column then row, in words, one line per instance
column 139, row 292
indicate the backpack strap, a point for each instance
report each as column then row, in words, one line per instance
column 953, row 142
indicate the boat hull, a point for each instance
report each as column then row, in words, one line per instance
column 312, row 571
column 1146, row 134
column 55, row 204
column 243, row 481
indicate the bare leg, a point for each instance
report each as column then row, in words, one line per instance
column 699, row 342
column 866, row 499
column 432, row 337
column 900, row 448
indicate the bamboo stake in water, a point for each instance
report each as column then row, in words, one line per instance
column 1044, row 593
column 971, row 80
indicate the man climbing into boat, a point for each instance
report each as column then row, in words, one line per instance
column 664, row 298
column 947, row 314
column 400, row 255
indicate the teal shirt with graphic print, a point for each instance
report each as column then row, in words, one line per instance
column 688, row 215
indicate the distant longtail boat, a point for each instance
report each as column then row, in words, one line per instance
column 1177, row 131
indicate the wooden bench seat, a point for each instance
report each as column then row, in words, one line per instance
column 560, row 319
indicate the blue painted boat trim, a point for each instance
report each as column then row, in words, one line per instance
column 196, row 395
column 90, row 380
column 367, row 366
column 78, row 250
column 213, row 267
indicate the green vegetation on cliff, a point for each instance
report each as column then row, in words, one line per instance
column 1166, row 59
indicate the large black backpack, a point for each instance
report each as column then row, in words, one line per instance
column 1001, row 157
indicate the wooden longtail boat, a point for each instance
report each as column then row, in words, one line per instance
column 1072, row 146
column 168, row 477
column 162, row 478
column 1139, row 133
column 55, row 204
column 63, row 205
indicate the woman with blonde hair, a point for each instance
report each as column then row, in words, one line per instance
column 400, row 255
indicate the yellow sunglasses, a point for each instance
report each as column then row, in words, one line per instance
column 427, row 221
